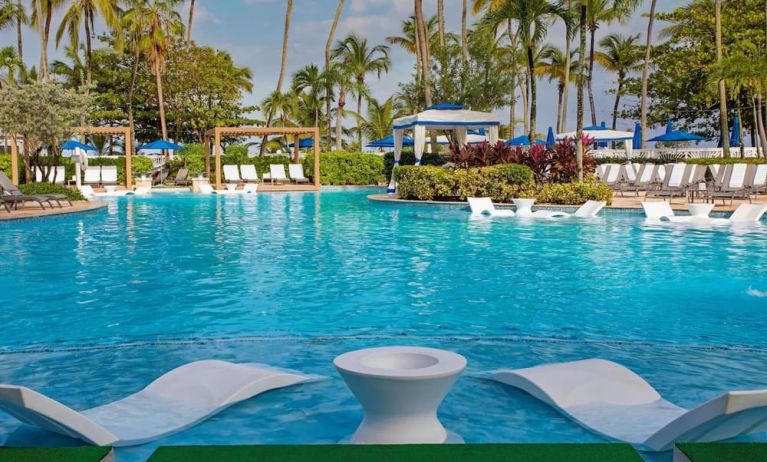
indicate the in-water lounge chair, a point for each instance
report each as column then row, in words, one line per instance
column 613, row 401
column 182, row 177
column 297, row 173
column 484, row 206
column 174, row 402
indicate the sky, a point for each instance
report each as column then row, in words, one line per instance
column 251, row 31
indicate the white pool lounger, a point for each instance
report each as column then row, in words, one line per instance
column 174, row 402
column 484, row 206
column 613, row 401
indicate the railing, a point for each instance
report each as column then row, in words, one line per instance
column 687, row 153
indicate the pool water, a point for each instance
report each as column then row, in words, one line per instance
column 95, row 306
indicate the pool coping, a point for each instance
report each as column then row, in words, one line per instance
column 30, row 213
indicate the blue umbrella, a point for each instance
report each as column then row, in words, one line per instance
column 445, row 107
column 71, row 145
column 388, row 142
column 523, row 140
column 735, row 137
column 161, row 145
column 637, row 140
column 305, row 143
column 673, row 136
column 550, row 138
column 592, row 128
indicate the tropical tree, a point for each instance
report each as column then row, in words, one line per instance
column 328, row 57
column 283, row 106
column 343, row 77
column 42, row 16
column 422, row 35
column 12, row 13
column 582, row 27
column 72, row 73
column 84, row 12
column 533, row 17
column 362, row 60
column 408, row 41
column 568, row 66
column 379, row 122
column 190, row 22
column 619, row 54
column 9, row 66
column 603, row 12
column 283, row 63
column 554, row 65
column 646, row 73
column 311, row 79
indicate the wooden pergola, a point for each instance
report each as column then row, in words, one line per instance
column 295, row 132
column 106, row 131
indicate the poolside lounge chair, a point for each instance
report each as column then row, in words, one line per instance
column 297, row 173
column 675, row 183
column 736, row 184
column 601, row 171
column 613, row 401
column 248, row 173
column 484, row 206
column 92, row 176
column 57, row 175
column 6, row 204
column 612, row 174
column 627, row 178
column 182, row 177
column 109, row 175
column 277, row 174
column 14, row 196
column 87, row 191
column 174, row 402
column 232, row 174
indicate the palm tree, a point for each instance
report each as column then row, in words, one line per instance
column 724, row 129
column 408, row 41
column 84, row 12
column 283, row 63
column 343, row 77
column 283, row 106
column 441, row 21
column 423, row 48
column 12, row 13
column 362, row 60
column 310, row 78
column 619, row 54
column 557, row 68
column 599, row 12
column 646, row 73
column 533, row 20
column 162, row 23
column 190, row 22
column 9, row 61
column 73, row 73
column 328, row 47
column 582, row 26
column 379, row 122
column 568, row 58
column 465, row 31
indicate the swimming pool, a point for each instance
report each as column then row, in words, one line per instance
column 95, row 306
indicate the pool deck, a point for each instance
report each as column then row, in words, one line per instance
column 30, row 211
column 627, row 202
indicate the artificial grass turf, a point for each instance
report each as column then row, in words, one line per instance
column 80, row 454
column 724, row 452
column 403, row 453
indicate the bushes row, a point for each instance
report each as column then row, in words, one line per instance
column 347, row 168
column 47, row 188
column 408, row 158
column 502, row 183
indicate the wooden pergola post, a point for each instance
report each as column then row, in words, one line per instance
column 206, row 150
column 127, row 134
column 217, row 153
column 296, row 149
column 14, row 161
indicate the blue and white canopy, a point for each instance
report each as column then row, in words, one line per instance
column 442, row 117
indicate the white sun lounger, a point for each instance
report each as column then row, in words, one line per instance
column 231, row 174
column 277, row 173
column 109, row 175
column 248, row 173
column 613, row 401
column 57, row 175
column 658, row 210
column 297, row 173
column 92, row 176
column 590, row 209
column 174, row 402
column 484, row 206
column 745, row 213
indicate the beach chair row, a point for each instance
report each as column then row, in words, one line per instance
column 100, row 176
column 732, row 181
column 246, row 173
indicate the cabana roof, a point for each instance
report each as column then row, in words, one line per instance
column 447, row 117
column 600, row 134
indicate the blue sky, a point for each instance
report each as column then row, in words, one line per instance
column 251, row 30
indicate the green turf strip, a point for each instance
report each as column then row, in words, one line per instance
column 725, row 452
column 83, row 454
column 414, row 453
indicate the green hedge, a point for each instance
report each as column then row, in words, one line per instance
column 347, row 168
column 500, row 182
column 576, row 193
column 46, row 188
column 700, row 161
column 139, row 164
column 408, row 158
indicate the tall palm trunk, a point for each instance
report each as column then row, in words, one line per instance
column 533, row 94
column 525, row 92
column 191, row 21
column 562, row 124
column 328, row 46
column 424, row 45
column 441, row 21
column 579, row 121
column 760, row 124
column 161, row 102
column 340, row 117
column 592, row 105
column 723, row 124
column 281, row 78
column 513, row 98
column 465, row 31
column 646, row 73
column 560, row 96
column 361, row 83
column 46, row 38
column 19, row 32
column 618, row 94
column 43, row 42
column 88, row 52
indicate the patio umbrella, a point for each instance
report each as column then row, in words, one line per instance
column 523, row 140
column 637, row 140
column 161, row 145
column 304, row 143
column 735, row 139
column 388, row 142
column 550, row 138
column 71, row 145
column 674, row 136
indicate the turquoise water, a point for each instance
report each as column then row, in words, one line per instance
column 94, row 306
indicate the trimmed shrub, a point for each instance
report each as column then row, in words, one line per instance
column 502, row 182
column 408, row 158
column 46, row 188
column 575, row 193
column 340, row 168
column 139, row 164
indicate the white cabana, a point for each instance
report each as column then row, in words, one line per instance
column 441, row 117
column 605, row 136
